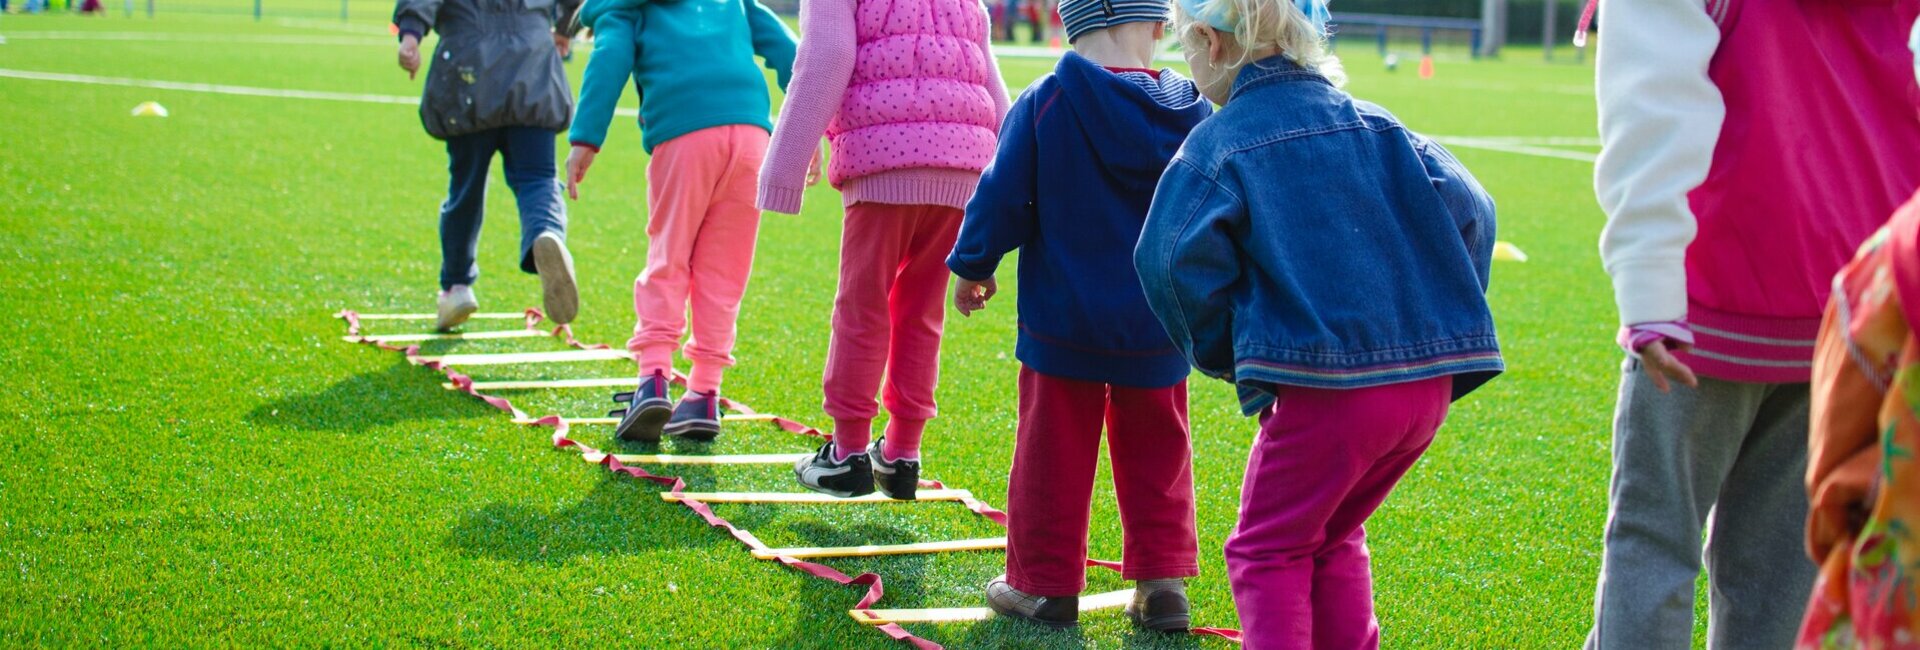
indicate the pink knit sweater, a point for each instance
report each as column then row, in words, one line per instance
column 906, row 90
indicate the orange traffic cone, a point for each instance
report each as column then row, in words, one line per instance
column 1426, row 67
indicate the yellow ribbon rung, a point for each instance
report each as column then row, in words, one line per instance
column 500, row 359
column 1107, row 600
column 609, row 382
column 447, row 336
column 716, row 459
column 489, row 315
column 735, row 417
column 874, row 550
column 806, row 497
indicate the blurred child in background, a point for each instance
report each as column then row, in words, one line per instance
column 1749, row 147
column 704, row 118
column 1332, row 265
column 1079, row 156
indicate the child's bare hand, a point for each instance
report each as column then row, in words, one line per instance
column 1660, row 365
column 562, row 44
column 410, row 54
column 970, row 296
column 813, row 170
column 578, row 161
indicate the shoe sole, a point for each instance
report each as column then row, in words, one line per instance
column 458, row 317
column 1164, row 623
column 646, row 425
column 1057, row 625
column 558, row 291
column 699, row 432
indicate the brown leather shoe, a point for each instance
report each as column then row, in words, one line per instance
column 1160, row 605
column 1058, row 612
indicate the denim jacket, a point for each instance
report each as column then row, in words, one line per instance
column 1305, row 238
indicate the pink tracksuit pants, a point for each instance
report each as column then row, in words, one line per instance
column 700, row 236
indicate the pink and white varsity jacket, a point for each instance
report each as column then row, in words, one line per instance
column 1749, row 146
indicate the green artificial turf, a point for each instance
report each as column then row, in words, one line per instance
column 196, row 458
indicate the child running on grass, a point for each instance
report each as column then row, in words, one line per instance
column 1079, row 156
column 496, row 86
column 911, row 99
column 1332, row 265
column 704, row 118
column 1729, row 209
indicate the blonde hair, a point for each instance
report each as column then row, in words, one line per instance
column 1262, row 24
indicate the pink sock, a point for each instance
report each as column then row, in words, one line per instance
column 705, row 378
column 903, row 439
column 657, row 358
column 851, row 437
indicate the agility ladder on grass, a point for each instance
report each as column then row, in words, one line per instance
column 885, row 620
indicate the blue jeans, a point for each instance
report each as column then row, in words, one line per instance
column 527, row 157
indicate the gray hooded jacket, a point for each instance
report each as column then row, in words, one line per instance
column 495, row 66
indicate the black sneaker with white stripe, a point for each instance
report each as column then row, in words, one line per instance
column 647, row 410
column 821, row 473
column 898, row 479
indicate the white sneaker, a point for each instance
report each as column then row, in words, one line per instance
column 456, row 305
column 558, row 292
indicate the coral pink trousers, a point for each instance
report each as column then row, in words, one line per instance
column 1324, row 461
column 700, row 236
column 888, row 317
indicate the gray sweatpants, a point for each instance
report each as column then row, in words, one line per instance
column 1730, row 455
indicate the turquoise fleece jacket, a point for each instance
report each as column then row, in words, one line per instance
column 692, row 61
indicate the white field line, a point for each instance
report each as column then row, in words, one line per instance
column 1551, row 141
column 331, row 26
column 163, row 37
column 1494, row 144
column 1515, row 145
column 1020, row 52
column 223, row 89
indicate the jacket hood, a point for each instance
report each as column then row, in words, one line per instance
column 1130, row 130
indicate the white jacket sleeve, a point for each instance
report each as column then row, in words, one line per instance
column 1660, row 118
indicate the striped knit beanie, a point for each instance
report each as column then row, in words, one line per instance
column 1082, row 16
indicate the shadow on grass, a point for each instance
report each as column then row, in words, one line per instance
column 621, row 515
column 398, row 393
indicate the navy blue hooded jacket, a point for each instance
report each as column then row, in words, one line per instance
column 1080, row 154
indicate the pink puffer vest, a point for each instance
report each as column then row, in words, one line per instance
column 918, row 98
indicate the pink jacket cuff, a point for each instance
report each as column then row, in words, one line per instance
column 1638, row 336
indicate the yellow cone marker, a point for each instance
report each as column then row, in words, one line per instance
column 149, row 109
column 1505, row 251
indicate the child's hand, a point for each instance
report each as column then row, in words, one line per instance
column 562, row 44
column 578, row 161
column 970, row 296
column 1660, row 366
column 410, row 54
column 813, row 170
